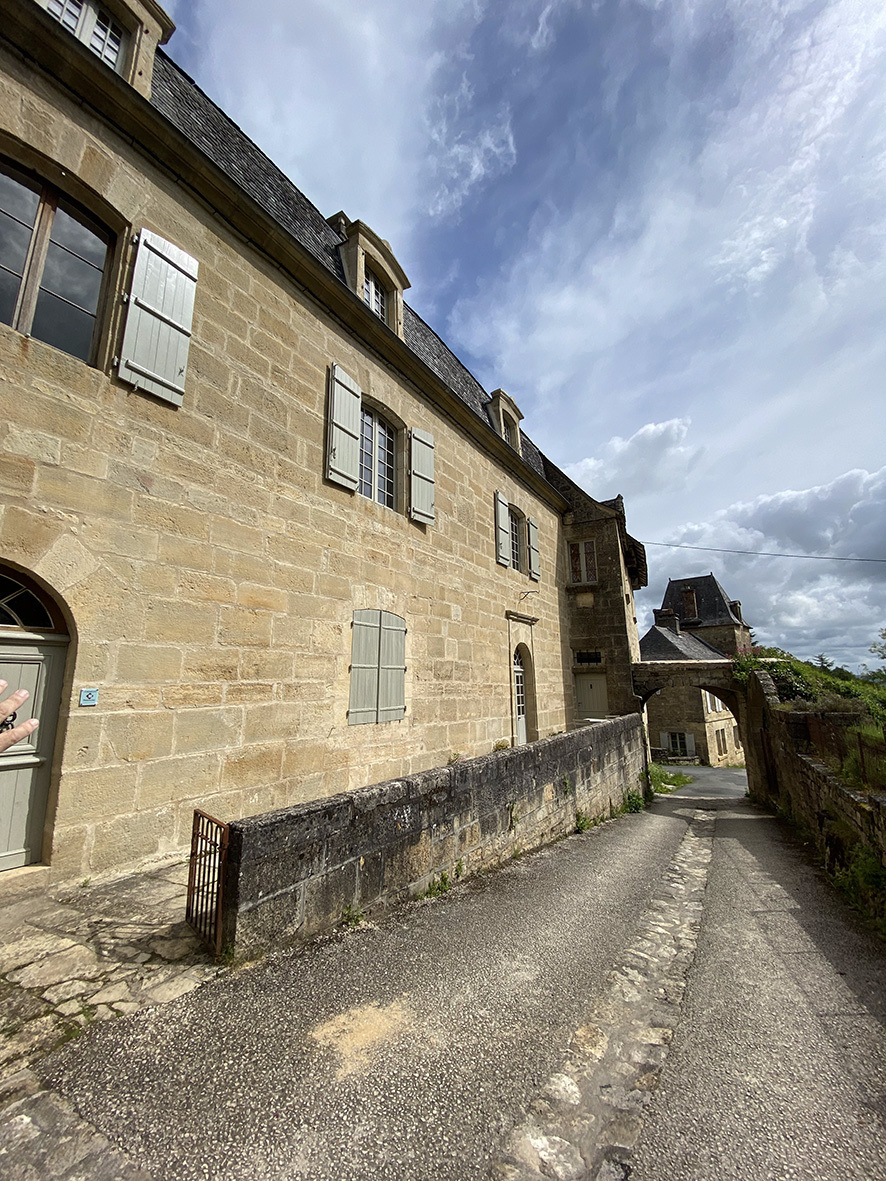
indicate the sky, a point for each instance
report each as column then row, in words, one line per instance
column 658, row 224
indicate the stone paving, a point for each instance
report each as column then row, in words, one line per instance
column 86, row 953
column 589, row 1115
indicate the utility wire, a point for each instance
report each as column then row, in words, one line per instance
column 759, row 553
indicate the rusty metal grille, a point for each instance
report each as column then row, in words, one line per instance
column 206, row 875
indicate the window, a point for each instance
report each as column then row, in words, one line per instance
column 714, row 704
column 20, row 607
column 377, row 452
column 516, row 539
column 92, row 25
column 677, row 744
column 378, row 668
column 516, row 529
column 736, row 741
column 721, row 742
column 582, row 561
column 52, row 261
column 374, row 293
column 362, row 452
column 583, row 657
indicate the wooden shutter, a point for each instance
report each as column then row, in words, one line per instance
column 363, row 704
column 157, row 336
column 391, row 668
column 343, row 430
column 690, row 745
column 421, row 500
column 502, row 531
column 664, row 740
column 534, row 556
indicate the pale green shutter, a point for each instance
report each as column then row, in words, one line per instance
column 690, row 744
column 363, row 705
column 502, row 531
column 343, row 434
column 421, row 506
column 157, row 336
column 392, row 668
column 664, row 740
column 534, row 556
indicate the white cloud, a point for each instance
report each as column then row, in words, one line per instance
column 655, row 459
column 805, row 606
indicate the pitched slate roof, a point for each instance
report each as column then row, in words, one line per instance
column 710, row 599
column 178, row 97
column 660, row 643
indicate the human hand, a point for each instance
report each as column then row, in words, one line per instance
column 10, row 706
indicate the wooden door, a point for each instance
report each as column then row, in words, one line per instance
column 35, row 664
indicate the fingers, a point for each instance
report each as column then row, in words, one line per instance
column 13, row 703
column 10, row 737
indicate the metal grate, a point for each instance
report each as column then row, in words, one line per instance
column 209, row 850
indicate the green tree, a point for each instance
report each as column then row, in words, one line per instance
column 824, row 662
column 879, row 646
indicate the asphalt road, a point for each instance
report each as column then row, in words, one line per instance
column 411, row 1049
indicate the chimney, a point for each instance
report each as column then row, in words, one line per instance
column 667, row 618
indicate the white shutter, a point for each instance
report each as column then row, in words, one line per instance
column 154, row 352
column 392, row 668
column 534, row 556
column 421, row 500
column 343, row 434
column 363, row 704
column 690, row 744
column 502, row 531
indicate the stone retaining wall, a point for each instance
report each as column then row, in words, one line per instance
column 837, row 818
column 293, row 872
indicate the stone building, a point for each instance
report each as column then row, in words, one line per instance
column 696, row 621
column 263, row 537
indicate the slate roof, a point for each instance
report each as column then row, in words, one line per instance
column 178, row 97
column 711, row 601
column 660, row 643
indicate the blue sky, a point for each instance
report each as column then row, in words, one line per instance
column 659, row 226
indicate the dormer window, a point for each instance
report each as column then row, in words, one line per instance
column 374, row 293
column 92, row 25
column 506, row 418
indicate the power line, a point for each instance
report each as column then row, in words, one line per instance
column 759, row 553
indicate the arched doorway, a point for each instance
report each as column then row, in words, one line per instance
column 33, row 639
column 525, row 725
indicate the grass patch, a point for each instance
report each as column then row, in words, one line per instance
column 663, row 781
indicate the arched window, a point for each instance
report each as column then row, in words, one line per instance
column 378, row 455
column 20, row 607
column 52, row 261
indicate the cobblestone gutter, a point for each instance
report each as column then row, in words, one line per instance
column 588, row 1116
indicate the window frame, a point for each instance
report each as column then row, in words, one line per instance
column 87, row 20
column 375, row 293
column 379, row 423
column 581, row 552
column 50, row 200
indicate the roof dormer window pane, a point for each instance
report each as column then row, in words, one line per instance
column 106, row 39
column 90, row 24
column 374, row 293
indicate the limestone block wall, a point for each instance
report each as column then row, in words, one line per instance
column 207, row 572
column 783, row 777
column 292, row 873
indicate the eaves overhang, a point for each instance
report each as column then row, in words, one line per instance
column 108, row 97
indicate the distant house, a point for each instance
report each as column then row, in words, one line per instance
column 696, row 621
column 263, row 537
